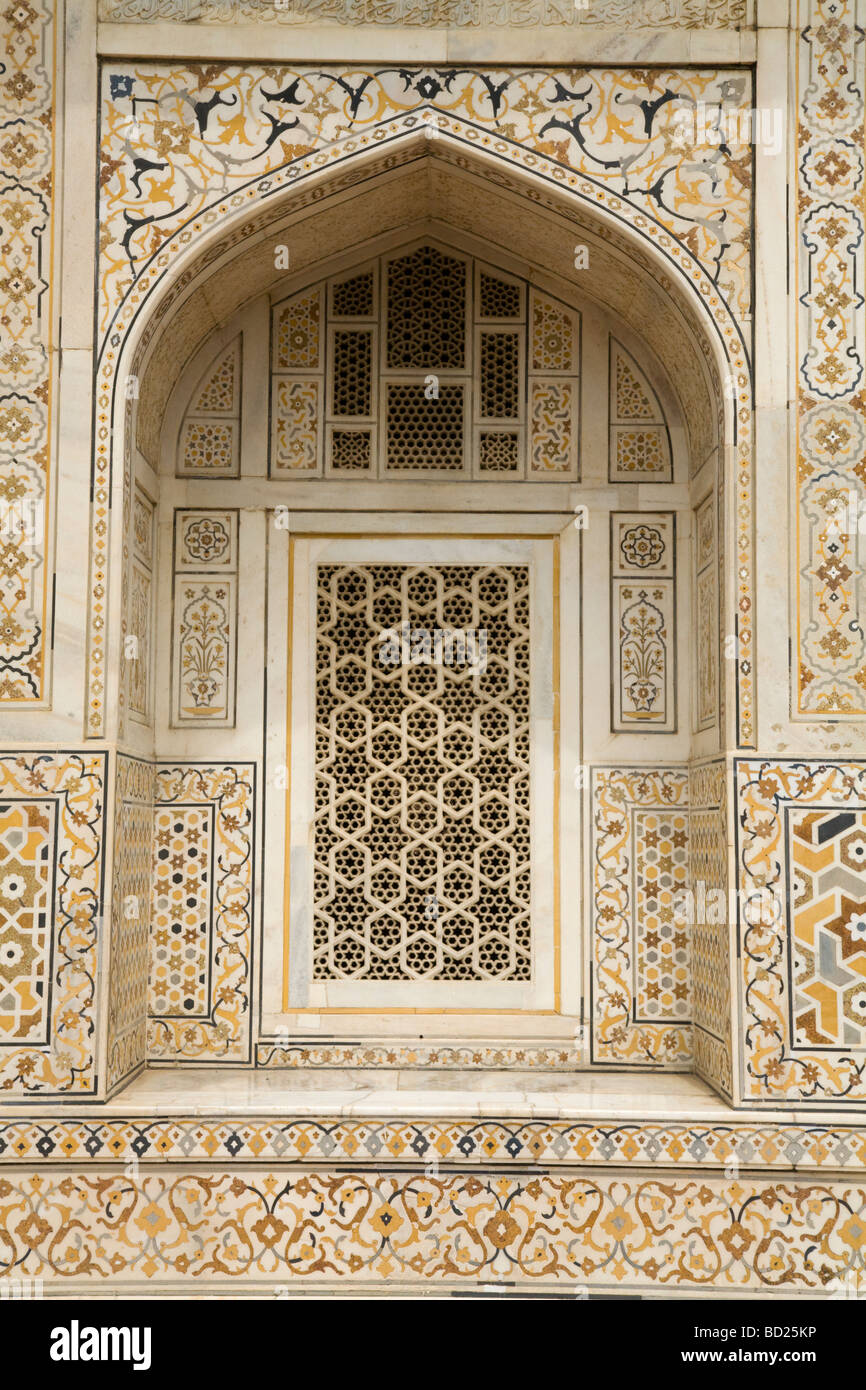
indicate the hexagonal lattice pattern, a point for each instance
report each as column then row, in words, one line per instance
column 422, row 776
column 425, row 432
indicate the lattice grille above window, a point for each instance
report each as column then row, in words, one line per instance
column 425, row 362
column 426, row 312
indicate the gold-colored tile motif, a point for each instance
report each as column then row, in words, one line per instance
column 219, row 393
column 296, row 416
column 298, row 333
column 631, row 397
column 553, row 423
column 300, row 1230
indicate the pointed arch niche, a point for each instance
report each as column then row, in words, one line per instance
column 273, row 353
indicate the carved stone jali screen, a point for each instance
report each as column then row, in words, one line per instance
column 423, row 752
column 422, row 773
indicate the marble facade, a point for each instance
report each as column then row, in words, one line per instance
column 257, row 1026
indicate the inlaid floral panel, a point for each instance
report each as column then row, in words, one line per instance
column 27, row 350
column 282, row 1230
column 643, row 622
column 830, row 658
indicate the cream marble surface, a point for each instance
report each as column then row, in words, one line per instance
column 616, row 1096
column 373, row 42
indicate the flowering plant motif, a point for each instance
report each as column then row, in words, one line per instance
column 204, row 647
column 643, row 634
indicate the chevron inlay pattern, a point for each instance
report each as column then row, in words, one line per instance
column 828, row 949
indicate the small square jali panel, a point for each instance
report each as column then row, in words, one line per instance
column 26, row 875
column 422, row 836
column 180, row 930
column 827, row 848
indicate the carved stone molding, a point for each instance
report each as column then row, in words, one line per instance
column 436, row 14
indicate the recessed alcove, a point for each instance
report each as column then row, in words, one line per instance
column 362, row 742
column 610, row 489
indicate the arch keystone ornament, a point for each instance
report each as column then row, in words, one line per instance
column 199, row 162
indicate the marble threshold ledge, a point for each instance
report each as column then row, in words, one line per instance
column 402, row 1096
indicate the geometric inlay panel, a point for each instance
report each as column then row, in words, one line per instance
column 641, row 993
column 52, row 838
column 210, row 436
column 130, row 919
column 640, row 448
column 828, row 941
column 422, row 773
column 180, row 931
column 201, row 947
column 27, row 833
column 799, row 850
column 663, row 986
column 711, row 924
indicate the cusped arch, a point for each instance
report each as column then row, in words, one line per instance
column 635, row 268
column 490, row 188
